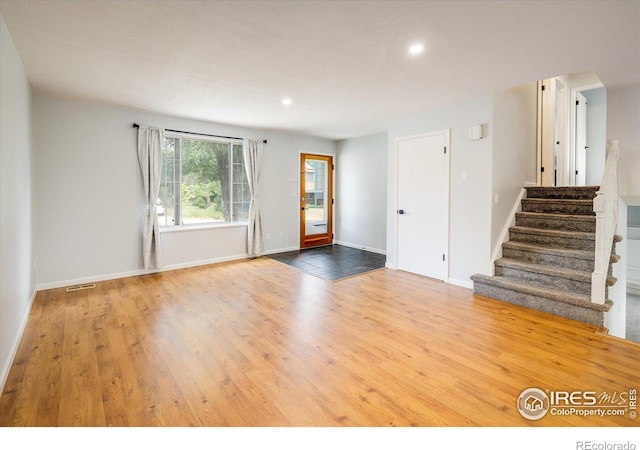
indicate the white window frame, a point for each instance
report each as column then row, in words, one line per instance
column 178, row 177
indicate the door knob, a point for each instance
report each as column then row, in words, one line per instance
column 401, row 211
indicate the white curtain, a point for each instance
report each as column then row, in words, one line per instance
column 252, row 162
column 150, row 157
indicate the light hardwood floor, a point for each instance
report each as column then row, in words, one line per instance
column 258, row 343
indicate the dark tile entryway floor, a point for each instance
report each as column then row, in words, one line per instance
column 333, row 262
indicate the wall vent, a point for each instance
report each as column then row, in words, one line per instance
column 81, row 287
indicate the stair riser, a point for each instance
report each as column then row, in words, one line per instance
column 566, row 242
column 547, row 259
column 556, row 224
column 568, row 285
column 561, row 309
column 557, row 207
column 566, row 193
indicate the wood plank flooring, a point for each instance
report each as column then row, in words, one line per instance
column 258, row 343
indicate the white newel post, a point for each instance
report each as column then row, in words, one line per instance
column 605, row 206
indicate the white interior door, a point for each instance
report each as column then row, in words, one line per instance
column 547, row 132
column 553, row 133
column 581, row 140
column 422, row 205
column 561, row 148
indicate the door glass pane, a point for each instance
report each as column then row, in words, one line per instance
column 315, row 193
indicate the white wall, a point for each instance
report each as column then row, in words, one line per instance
column 361, row 192
column 596, row 134
column 633, row 247
column 623, row 123
column 17, row 271
column 470, row 202
column 514, row 151
column 91, row 204
column 583, row 80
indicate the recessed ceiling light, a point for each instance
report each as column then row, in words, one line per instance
column 287, row 101
column 416, row 49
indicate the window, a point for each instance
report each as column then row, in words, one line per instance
column 203, row 182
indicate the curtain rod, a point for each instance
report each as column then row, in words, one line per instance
column 135, row 125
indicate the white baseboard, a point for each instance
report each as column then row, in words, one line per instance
column 186, row 265
column 137, row 272
column 461, row 283
column 203, row 262
column 92, row 279
column 4, row 371
column 361, row 247
column 280, row 250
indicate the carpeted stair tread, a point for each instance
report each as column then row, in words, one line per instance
column 570, row 217
column 566, row 192
column 561, row 201
column 554, row 271
column 547, row 270
column 566, row 222
column 554, row 233
column 555, row 251
column 558, row 206
column 552, row 294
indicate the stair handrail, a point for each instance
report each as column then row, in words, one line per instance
column 605, row 205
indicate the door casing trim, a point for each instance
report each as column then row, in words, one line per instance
column 331, row 191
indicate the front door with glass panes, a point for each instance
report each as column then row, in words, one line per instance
column 316, row 200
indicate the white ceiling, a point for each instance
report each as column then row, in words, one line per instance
column 344, row 63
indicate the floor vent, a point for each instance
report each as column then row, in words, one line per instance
column 81, row 287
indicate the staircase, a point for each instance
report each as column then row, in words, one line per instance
column 548, row 261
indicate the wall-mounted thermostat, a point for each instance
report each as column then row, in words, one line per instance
column 475, row 132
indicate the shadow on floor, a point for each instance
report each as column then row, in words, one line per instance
column 333, row 262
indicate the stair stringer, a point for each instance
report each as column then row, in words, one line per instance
column 504, row 235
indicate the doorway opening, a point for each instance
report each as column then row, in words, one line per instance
column 590, row 135
column 571, row 130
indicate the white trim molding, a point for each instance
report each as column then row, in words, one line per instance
column 461, row 283
column 360, row 247
column 4, row 371
column 504, row 235
column 138, row 272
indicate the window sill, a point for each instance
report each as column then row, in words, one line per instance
column 196, row 227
